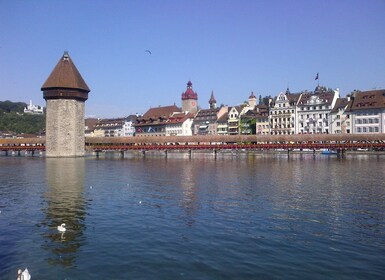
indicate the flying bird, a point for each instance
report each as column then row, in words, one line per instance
column 148, row 51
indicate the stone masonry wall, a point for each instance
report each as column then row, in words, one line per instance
column 64, row 128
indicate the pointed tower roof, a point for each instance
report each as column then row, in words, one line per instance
column 212, row 98
column 65, row 75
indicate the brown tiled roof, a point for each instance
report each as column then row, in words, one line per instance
column 179, row 118
column 326, row 97
column 293, row 97
column 373, row 99
column 65, row 75
column 340, row 104
column 223, row 118
column 164, row 111
column 91, row 122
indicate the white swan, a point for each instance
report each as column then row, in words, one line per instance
column 23, row 275
column 61, row 228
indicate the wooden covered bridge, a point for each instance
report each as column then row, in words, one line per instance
column 313, row 142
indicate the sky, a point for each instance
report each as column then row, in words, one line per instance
column 229, row 47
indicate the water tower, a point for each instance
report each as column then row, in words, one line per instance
column 65, row 93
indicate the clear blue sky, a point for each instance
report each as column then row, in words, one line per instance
column 229, row 47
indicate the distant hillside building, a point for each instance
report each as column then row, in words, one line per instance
column 33, row 109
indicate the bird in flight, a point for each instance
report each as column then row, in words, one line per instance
column 148, row 51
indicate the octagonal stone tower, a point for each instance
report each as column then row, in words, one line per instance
column 65, row 93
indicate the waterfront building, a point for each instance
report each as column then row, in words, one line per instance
column 154, row 121
column 206, row 121
column 262, row 122
column 222, row 125
column 313, row 110
column 33, row 109
column 368, row 111
column 179, row 124
column 189, row 99
column 65, row 93
column 233, row 121
column 283, row 113
column 340, row 121
column 89, row 126
column 117, row 127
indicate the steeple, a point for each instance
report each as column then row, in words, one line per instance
column 212, row 101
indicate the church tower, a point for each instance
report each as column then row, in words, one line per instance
column 252, row 100
column 65, row 93
column 189, row 99
column 212, row 101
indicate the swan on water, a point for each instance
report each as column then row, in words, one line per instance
column 61, row 228
column 23, row 275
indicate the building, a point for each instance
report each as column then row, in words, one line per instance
column 189, row 99
column 33, row 109
column 89, row 126
column 222, row 125
column 233, row 120
column 283, row 113
column 154, row 121
column 367, row 111
column 179, row 124
column 117, row 127
column 65, row 93
column 313, row 110
column 340, row 121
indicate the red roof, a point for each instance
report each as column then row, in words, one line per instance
column 189, row 93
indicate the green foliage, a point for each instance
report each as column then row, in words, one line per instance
column 22, row 123
column 9, row 106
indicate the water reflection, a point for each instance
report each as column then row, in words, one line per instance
column 64, row 204
column 189, row 200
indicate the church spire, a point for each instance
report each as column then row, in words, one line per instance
column 212, row 101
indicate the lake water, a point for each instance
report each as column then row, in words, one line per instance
column 233, row 217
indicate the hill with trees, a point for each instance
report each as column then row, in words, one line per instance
column 13, row 119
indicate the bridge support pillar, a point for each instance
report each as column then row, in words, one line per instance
column 122, row 154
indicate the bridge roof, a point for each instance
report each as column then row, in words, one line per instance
column 65, row 75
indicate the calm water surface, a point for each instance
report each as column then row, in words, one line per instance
column 244, row 217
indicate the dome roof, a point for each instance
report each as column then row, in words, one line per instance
column 189, row 93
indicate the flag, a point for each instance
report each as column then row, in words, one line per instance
column 316, row 77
